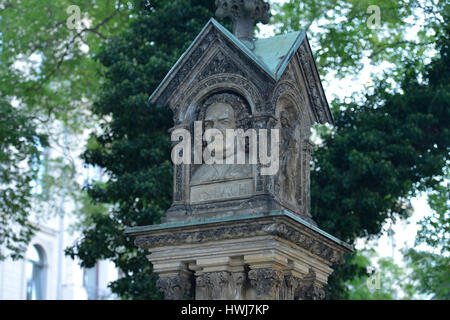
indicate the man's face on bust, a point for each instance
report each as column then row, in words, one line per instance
column 220, row 116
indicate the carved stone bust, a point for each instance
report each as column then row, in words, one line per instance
column 223, row 111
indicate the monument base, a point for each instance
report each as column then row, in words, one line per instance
column 275, row 256
column 233, row 208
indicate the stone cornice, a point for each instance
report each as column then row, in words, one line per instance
column 278, row 226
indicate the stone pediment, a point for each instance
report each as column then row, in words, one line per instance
column 267, row 63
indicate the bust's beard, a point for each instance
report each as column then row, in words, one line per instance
column 228, row 145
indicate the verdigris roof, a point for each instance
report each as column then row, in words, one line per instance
column 276, row 52
column 272, row 55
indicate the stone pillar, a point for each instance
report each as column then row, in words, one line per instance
column 266, row 275
column 219, row 279
column 309, row 288
column 175, row 281
column 265, row 283
column 263, row 257
column 307, row 150
column 244, row 14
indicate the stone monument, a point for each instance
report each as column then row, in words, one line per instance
column 232, row 232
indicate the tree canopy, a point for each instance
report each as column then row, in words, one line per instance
column 430, row 265
column 19, row 158
column 46, row 54
column 48, row 78
column 381, row 153
column 135, row 146
column 348, row 33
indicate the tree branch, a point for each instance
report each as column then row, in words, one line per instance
column 396, row 44
column 69, row 43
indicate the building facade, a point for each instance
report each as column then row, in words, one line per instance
column 46, row 273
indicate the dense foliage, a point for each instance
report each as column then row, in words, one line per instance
column 347, row 33
column 19, row 158
column 47, row 81
column 46, row 53
column 384, row 280
column 381, row 153
column 431, row 263
column 135, row 147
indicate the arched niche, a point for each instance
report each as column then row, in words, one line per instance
column 190, row 100
column 222, row 110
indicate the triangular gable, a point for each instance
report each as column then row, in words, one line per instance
column 271, row 55
column 212, row 23
column 316, row 93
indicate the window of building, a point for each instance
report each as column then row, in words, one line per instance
column 35, row 273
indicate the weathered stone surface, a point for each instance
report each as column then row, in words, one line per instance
column 279, row 227
column 218, row 79
column 220, row 285
column 244, row 14
column 255, row 258
column 176, row 287
column 222, row 191
column 267, row 283
column 308, row 289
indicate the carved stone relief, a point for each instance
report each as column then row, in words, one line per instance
column 266, row 282
column 176, row 287
column 220, row 83
column 289, row 153
column 308, row 288
column 223, row 111
column 220, row 285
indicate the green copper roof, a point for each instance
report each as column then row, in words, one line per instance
column 243, row 47
column 276, row 52
column 272, row 54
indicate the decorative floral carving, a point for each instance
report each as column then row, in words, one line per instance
column 308, row 288
column 187, row 67
column 317, row 243
column 266, row 282
column 213, row 285
column 308, row 67
column 256, row 9
column 220, row 285
column 175, row 287
column 289, row 287
column 221, row 64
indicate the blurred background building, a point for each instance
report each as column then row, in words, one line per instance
column 45, row 272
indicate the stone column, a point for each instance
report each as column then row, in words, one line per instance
column 307, row 150
column 266, row 283
column 309, row 288
column 220, row 279
column 266, row 275
column 175, row 282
